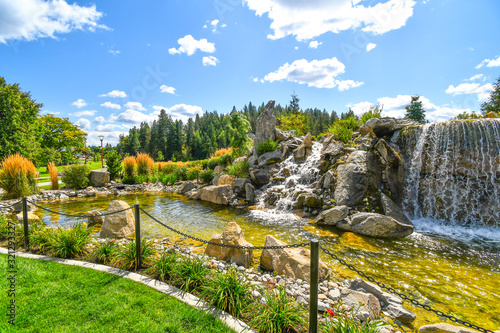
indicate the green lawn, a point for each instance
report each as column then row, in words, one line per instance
column 52, row 297
column 43, row 170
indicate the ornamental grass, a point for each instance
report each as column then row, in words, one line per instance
column 51, row 168
column 145, row 165
column 18, row 176
column 222, row 151
column 129, row 166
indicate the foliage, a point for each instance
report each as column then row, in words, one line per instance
column 165, row 267
column 466, row 115
column 76, row 176
column 227, row 291
column 51, row 168
column 47, row 155
column 18, row 176
column 145, row 164
column 279, row 314
column 168, row 167
column 104, row 252
column 126, row 256
column 160, row 156
column 294, row 121
column 237, row 128
column 180, row 173
column 114, row 164
column 226, row 159
column 190, row 273
column 374, row 112
column 239, row 169
column 4, row 227
column 415, row 110
column 213, row 162
column 493, row 102
column 68, row 243
column 222, row 151
column 129, row 166
column 267, row 146
column 207, row 175
column 139, row 179
column 342, row 129
column 192, row 173
column 343, row 320
column 170, row 178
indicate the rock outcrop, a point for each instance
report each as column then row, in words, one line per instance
column 120, row 224
column 232, row 235
column 265, row 126
column 216, row 194
column 99, row 177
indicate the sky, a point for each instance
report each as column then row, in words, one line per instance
column 110, row 65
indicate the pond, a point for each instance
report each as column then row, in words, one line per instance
column 453, row 269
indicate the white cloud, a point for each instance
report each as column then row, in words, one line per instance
column 167, row 89
column 309, row 19
column 296, row 47
column 110, row 105
column 79, row 103
column 46, row 112
column 108, row 127
column 360, row 108
column 131, row 116
column 178, row 111
column 314, row 44
column 210, row 61
column 83, row 123
column 223, row 25
column 84, row 113
column 109, row 137
column 32, row 19
column 135, row 106
column 370, row 47
column 205, row 26
column 476, row 77
column 98, row 120
column 114, row 94
column 316, row 73
column 114, row 52
column 489, row 63
column 189, row 45
column 483, row 91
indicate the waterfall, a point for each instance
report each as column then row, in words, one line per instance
column 452, row 171
column 279, row 198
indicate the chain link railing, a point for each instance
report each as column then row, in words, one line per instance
column 11, row 205
column 76, row 216
column 404, row 297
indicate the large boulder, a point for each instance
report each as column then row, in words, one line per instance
column 332, row 216
column 225, row 180
column 120, row 224
column 270, row 157
column 392, row 210
column 265, row 126
column 239, row 186
column 18, row 207
column 385, row 126
column 249, row 193
column 365, row 305
column 444, row 328
column 294, row 263
column 233, row 235
column 31, row 217
column 375, row 225
column 217, row 194
column 262, row 176
column 94, row 217
column 285, row 135
column 305, row 149
column 99, row 177
column 185, row 187
column 218, row 169
column 331, row 147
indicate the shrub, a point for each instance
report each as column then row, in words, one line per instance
column 126, row 256
column 204, row 163
column 343, row 320
column 190, row 273
column 192, row 173
column 342, row 129
column 372, row 113
column 41, row 238
column 129, row 166
column 170, row 178
column 207, row 175
column 213, row 162
column 239, row 169
column 145, row 165
column 278, row 314
column 165, row 267
column 169, row 167
column 68, row 243
column 104, row 252
column 226, row 159
column 114, row 164
column 139, row 179
column 18, row 176
column 76, row 176
column 4, row 227
column 51, row 168
column 227, row 291
column 222, row 151
column 267, row 146
column 180, row 173
column 160, row 166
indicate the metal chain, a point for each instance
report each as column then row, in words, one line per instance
column 11, row 206
column 75, row 215
column 404, row 297
column 226, row 245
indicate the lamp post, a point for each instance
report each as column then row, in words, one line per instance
column 101, row 137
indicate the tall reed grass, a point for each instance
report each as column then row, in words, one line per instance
column 145, row 165
column 129, row 166
column 18, row 176
column 51, row 168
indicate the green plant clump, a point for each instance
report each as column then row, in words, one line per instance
column 192, row 172
column 267, row 146
column 170, row 178
column 114, row 164
column 165, row 267
column 190, row 273
column 104, row 252
column 76, row 176
column 239, row 169
column 343, row 320
column 126, row 256
column 68, row 243
column 214, row 161
column 207, row 175
column 342, row 129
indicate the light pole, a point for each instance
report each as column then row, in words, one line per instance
column 101, row 137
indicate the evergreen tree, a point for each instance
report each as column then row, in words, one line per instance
column 237, row 127
column 415, row 110
column 493, row 103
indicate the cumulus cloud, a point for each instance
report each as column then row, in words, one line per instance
column 46, row 112
column 314, row 44
column 108, row 127
column 115, row 94
column 360, row 108
column 114, row 52
column 135, row 106
column 315, row 73
column 476, row 77
column 84, row 113
column 109, row 137
column 131, row 116
column 308, row 19
column 189, row 45
column 110, row 105
column 483, row 91
column 79, row 103
column 99, row 120
column 167, row 89
column 489, row 63
column 179, row 111
column 83, row 123
column 32, row 19
column 370, row 47
column 210, row 61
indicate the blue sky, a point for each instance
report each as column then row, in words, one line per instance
column 109, row 65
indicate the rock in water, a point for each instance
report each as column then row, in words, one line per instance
column 265, row 127
column 375, row 225
column 392, row 210
column 444, row 328
column 185, row 187
column 233, row 235
column 290, row 262
column 99, row 177
column 120, row 224
column 217, row 194
column 332, row 216
column 94, row 218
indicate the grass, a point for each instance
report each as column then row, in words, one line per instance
column 43, row 170
column 52, row 297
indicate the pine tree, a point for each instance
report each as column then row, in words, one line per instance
column 415, row 110
column 493, row 103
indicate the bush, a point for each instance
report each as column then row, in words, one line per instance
column 170, row 178
column 165, row 267
column 204, row 163
column 222, row 151
column 278, row 314
column 126, row 256
column 68, row 243
column 239, row 169
column 342, row 129
column 18, row 176
column 41, row 238
column 206, row 176
column 139, row 179
column 213, row 162
column 267, row 146
column 76, row 176
column 114, row 164
column 51, row 168
column 372, row 113
column 145, row 165
column 190, row 273
column 192, row 173
column 180, row 173
column 227, row 291
column 129, row 166
column 4, row 227
column 169, row 167
column 104, row 252
column 226, row 159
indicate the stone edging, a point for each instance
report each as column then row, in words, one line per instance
column 232, row 322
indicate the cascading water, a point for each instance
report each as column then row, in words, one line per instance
column 452, row 171
column 293, row 180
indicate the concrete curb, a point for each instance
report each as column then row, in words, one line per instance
column 226, row 318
